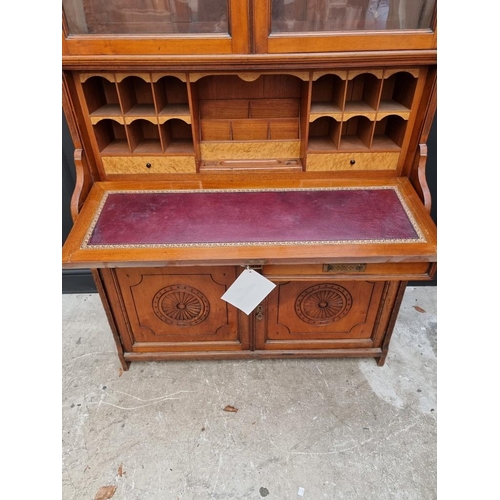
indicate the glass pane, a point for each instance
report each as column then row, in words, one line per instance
column 350, row 15
column 146, row 17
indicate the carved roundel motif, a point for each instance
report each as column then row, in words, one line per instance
column 181, row 305
column 323, row 304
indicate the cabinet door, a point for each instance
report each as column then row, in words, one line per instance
column 179, row 309
column 322, row 315
column 110, row 27
column 344, row 25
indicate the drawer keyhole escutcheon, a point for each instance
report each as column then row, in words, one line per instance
column 344, row 268
column 259, row 313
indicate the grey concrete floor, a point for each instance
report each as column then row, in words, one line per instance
column 312, row 429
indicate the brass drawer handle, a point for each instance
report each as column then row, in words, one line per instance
column 344, row 268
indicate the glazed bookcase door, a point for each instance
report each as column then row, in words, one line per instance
column 283, row 26
column 109, row 27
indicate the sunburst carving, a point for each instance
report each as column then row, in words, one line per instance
column 181, row 305
column 323, row 304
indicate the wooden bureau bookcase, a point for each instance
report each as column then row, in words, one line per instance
column 288, row 138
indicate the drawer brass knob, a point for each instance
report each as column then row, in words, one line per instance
column 148, row 165
column 352, row 162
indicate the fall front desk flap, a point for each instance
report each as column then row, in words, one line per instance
column 379, row 222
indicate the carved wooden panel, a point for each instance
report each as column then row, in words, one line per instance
column 168, row 308
column 321, row 314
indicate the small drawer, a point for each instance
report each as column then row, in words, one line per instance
column 148, row 164
column 352, row 161
column 399, row 271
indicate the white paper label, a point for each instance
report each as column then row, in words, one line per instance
column 248, row 291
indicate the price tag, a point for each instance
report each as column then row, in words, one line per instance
column 248, row 291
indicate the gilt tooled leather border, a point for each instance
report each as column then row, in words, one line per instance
column 86, row 245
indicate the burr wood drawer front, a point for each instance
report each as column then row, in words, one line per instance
column 148, row 164
column 352, row 161
column 403, row 271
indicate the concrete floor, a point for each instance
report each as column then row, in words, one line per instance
column 312, row 429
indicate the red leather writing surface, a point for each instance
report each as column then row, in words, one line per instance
column 229, row 217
